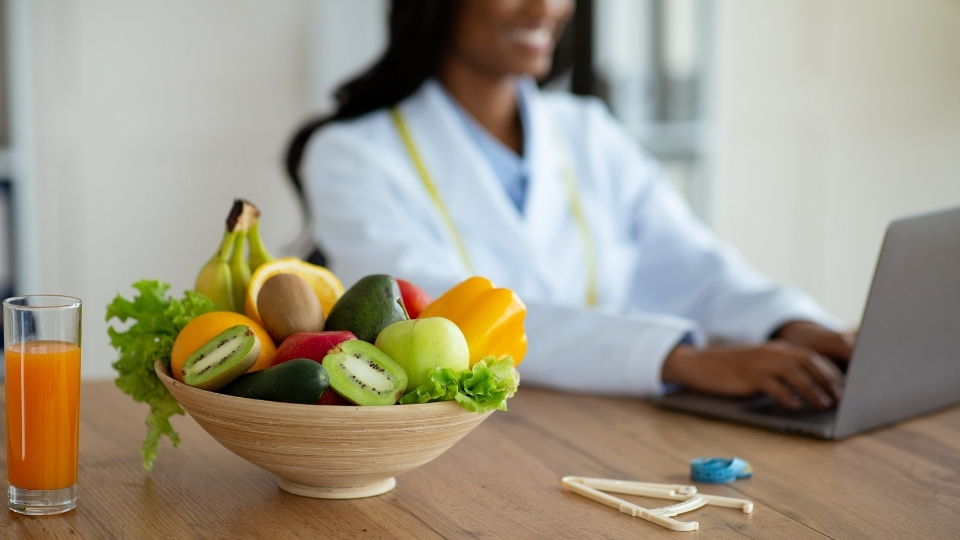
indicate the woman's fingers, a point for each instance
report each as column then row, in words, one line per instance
column 787, row 372
column 836, row 346
column 779, row 390
column 808, row 374
column 827, row 375
column 802, row 382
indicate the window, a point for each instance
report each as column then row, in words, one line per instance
column 649, row 62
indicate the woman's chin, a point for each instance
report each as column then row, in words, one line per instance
column 533, row 67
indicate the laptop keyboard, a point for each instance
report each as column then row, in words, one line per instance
column 767, row 406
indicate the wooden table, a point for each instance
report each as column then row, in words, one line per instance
column 503, row 480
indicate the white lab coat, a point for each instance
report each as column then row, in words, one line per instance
column 662, row 275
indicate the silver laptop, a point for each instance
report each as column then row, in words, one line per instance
column 907, row 358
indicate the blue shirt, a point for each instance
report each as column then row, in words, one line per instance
column 510, row 168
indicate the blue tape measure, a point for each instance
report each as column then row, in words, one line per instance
column 715, row 470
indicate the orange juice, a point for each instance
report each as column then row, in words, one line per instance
column 43, row 406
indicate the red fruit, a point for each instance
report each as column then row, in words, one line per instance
column 414, row 298
column 311, row 345
column 329, row 397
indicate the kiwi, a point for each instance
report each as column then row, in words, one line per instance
column 288, row 305
column 222, row 359
column 363, row 374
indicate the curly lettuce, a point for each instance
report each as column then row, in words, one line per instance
column 157, row 319
column 485, row 387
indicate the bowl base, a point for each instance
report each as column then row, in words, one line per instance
column 334, row 492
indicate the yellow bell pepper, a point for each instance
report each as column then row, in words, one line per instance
column 490, row 318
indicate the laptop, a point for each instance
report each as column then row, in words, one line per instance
column 907, row 357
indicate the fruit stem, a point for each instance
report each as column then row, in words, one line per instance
column 236, row 255
column 258, row 251
column 235, row 215
column 226, row 246
column 243, row 214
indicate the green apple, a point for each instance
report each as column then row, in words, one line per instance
column 420, row 345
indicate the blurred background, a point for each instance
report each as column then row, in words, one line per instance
column 797, row 129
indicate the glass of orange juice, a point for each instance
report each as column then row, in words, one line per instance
column 41, row 335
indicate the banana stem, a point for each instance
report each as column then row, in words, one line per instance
column 226, row 246
column 237, row 218
column 236, row 254
column 258, row 251
column 239, row 270
column 243, row 215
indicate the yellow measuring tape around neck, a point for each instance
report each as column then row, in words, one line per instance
column 584, row 229
column 575, row 208
column 431, row 188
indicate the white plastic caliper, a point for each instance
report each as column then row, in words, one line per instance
column 599, row 489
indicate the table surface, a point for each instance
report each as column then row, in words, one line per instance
column 503, row 480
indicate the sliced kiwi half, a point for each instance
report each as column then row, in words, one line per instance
column 363, row 374
column 222, row 359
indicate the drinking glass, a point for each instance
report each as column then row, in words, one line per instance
column 42, row 350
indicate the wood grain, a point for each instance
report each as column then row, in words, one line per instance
column 502, row 480
column 334, row 452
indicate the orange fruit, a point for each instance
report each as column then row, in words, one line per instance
column 325, row 285
column 205, row 327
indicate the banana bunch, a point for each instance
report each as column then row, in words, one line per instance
column 225, row 277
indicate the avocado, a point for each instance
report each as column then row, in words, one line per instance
column 370, row 305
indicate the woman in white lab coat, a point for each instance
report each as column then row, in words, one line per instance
column 446, row 160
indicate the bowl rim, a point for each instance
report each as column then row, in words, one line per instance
column 163, row 373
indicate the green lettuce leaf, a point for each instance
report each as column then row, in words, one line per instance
column 156, row 321
column 484, row 387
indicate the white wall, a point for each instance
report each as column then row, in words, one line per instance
column 345, row 38
column 831, row 118
column 145, row 119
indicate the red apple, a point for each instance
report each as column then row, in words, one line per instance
column 330, row 397
column 311, row 345
column 414, row 298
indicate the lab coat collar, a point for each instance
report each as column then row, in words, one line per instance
column 468, row 187
column 547, row 203
column 510, row 168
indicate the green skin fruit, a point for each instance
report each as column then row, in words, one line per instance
column 295, row 381
column 215, row 280
column 420, row 345
column 258, row 251
column 370, row 305
column 222, row 359
column 363, row 374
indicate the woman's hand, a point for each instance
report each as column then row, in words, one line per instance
column 786, row 371
column 836, row 346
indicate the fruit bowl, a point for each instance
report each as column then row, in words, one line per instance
column 327, row 451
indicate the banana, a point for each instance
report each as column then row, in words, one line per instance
column 226, row 276
column 258, row 251
column 239, row 269
column 215, row 279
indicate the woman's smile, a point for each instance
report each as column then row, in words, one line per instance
column 538, row 40
column 504, row 38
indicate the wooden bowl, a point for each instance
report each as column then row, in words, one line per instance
column 327, row 451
